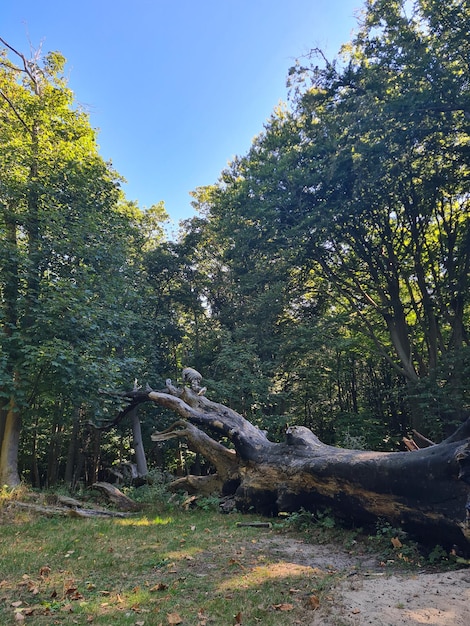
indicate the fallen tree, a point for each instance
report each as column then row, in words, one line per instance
column 425, row 491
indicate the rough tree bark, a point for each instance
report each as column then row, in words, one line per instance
column 425, row 492
column 137, row 442
column 10, row 428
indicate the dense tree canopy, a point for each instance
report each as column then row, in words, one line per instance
column 325, row 280
column 356, row 201
column 68, row 250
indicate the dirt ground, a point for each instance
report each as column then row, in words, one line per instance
column 365, row 592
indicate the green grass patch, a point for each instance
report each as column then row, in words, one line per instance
column 193, row 567
column 168, row 565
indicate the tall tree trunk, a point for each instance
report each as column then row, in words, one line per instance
column 10, row 420
column 36, row 479
column 73, row 450
column 54, row 454
column 95, row 458
column 139, row 451
column 9, row 446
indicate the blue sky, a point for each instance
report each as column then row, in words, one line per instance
column 177, row 88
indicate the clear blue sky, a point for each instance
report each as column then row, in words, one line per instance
column 177, row 88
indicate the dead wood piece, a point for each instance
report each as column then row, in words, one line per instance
column 426, row 492
column 227, row 504
column 188, row 502
column 224, row 460
column 422, row 441
column 70, row 502
column 95, row 513
column 254, row 524
column 49, row 511
column 117, row 497
column 66, row 511
column 410, row 444
column 202, row 485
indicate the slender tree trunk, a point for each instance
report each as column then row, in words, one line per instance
column 10, row 420
column 96, row 456
column 36, row 479
column 139, row 451
column 73, row 450
column 54, row 454
column 179, row 461
column 9, row 447
column 3, row 420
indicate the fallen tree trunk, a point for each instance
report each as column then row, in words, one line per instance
column 425, row 491
column 66, row 510
column 114, row 495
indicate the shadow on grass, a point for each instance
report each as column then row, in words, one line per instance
column 194, row 568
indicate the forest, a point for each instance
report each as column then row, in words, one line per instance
column 323, row 282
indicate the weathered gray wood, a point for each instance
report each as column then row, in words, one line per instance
column 425, row 491
column 48, row 511
column 254, row 524
column 86, row 513
column 65, row 511
column 116, row 496
column 70, row 502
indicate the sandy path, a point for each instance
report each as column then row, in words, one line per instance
column 365, row 594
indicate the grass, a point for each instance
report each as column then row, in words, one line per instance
column 166, row 566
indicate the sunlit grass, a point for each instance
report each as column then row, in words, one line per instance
column 261, row 574
column 196, row 564
column 144, row 521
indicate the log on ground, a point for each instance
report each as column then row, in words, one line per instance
column 114, row 495
column 425, row 491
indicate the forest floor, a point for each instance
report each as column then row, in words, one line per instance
column 196, row 567
column 365, row 590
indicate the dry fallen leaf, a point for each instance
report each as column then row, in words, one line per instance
column 159, row 587
column 76, row 596
column 238, row 618
column 356, row 611
column 174, row 618
column 313, row 602
column 396, row 543
column 33, row 588
column 19, row 617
